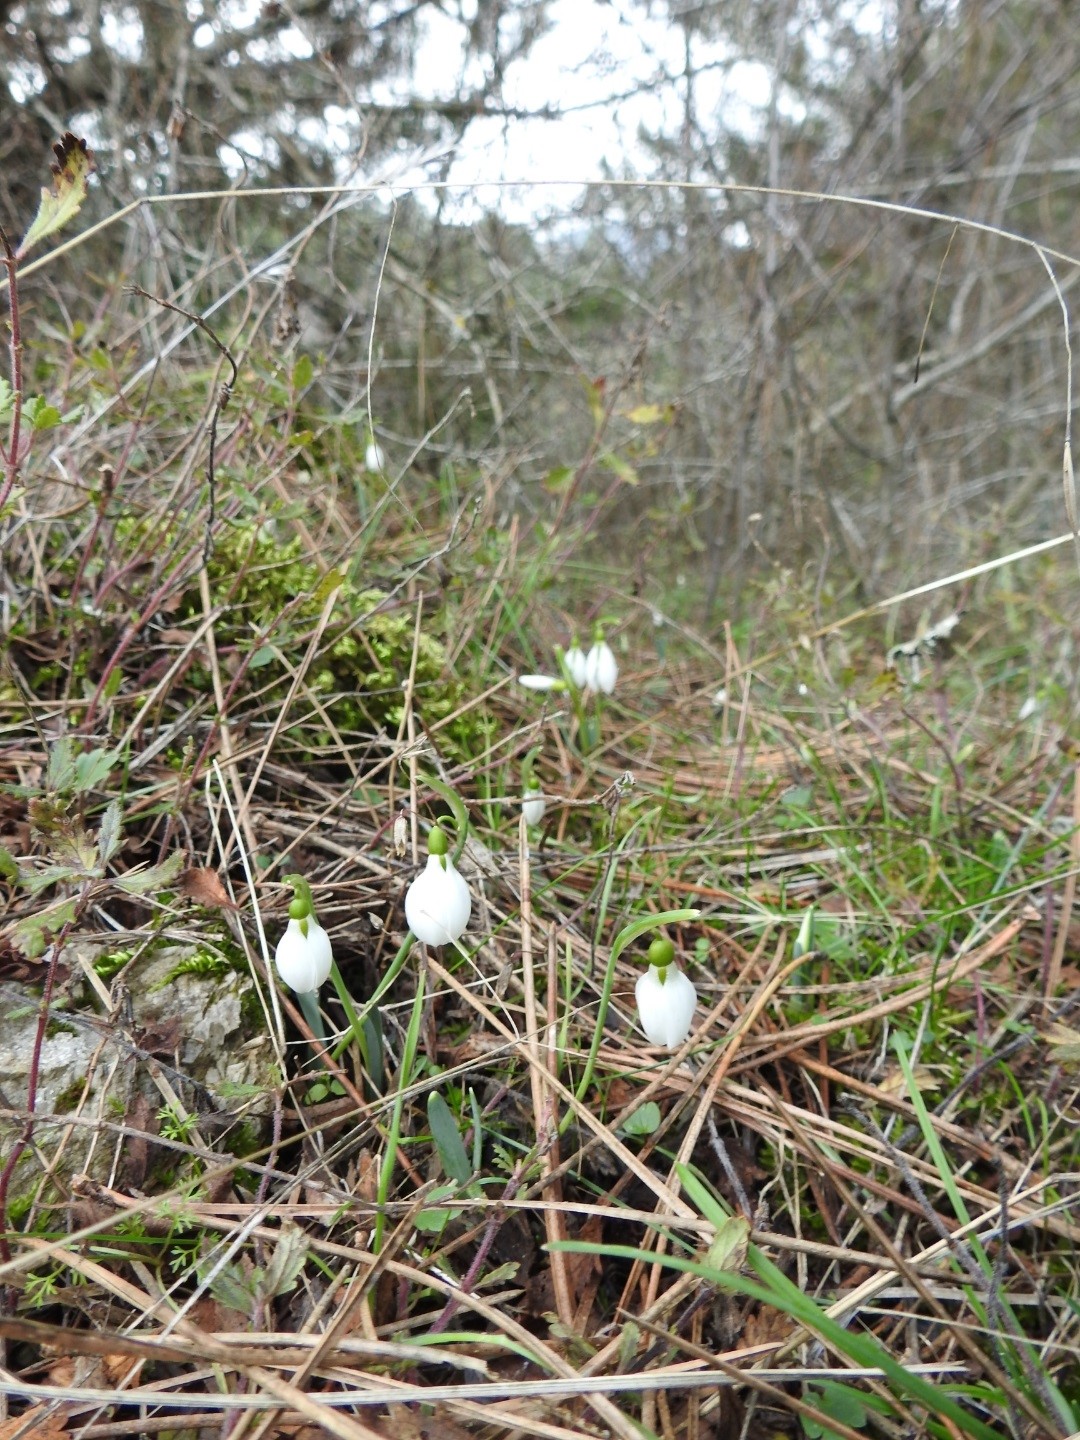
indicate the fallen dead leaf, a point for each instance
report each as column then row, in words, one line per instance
column 203, row 885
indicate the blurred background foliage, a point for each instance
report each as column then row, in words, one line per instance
column 705, row 385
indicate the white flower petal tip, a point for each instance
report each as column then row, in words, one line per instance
column 1029, row 708
column 601, row 668
column 665, row 1007
column 577, row 666
column 374, row 459
column 538, row 682
column 719, row 700
column 533, row 807
column 438, row 903
column 303, row 961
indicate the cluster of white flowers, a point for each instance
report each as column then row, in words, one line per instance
column 438, row 905
column 596, row 670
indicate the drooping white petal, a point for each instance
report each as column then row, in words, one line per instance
column 665, row 1008
column 533, row 807
column 1029, row 708
column 577, row 666
column 303, row 961
column 538, row 682
column 601, row 668
column 374, row 458
column 438, row 903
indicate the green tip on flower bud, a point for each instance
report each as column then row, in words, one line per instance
column 661, row 953
column 437, row 841
column 301, row 906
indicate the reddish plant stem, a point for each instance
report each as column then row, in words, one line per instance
column 469, row 1279
column 12, row 469
column 128, row 636
column 31, row 1088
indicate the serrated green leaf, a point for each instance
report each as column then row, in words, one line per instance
column 8, row 868
column 110, row 832
column 31, row 934
column 71, row 171
column 7, row 395
column 448, row 1141
column 154, row 877
column 232, row 1288
column 91, row 768
column 644, row 1121
column 35, row 881
column 287, row 1261
column 41, row 415
column 61, row 769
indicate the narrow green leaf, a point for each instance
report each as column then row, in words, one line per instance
column 448, row 1141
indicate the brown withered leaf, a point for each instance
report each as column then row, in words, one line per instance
column 204, row 886
column 141, row 1118
column 162, row 1037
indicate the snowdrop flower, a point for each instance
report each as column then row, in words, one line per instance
column 719, row 700
column 576, row 665
column 601, row 668
column 1029, row 708
column 438, row 903
column 665, row 998
column 534, row 805
column 541, row 682
column 374, row 458
column 303, row 956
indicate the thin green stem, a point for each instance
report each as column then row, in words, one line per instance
column 408, row 1056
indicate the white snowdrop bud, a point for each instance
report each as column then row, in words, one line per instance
column 576, row 665
column 303, row 956
column 665, row 998
column 438, row 903
column 601, row 668
column 533, row 806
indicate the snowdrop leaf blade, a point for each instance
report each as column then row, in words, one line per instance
column 448, row 1141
